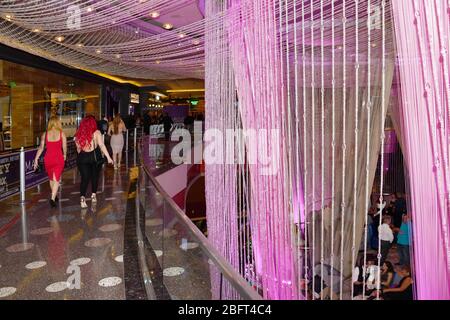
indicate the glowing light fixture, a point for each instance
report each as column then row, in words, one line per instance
column 167, row 26
column 98, row 51
column 154, row 14
column 59, row 38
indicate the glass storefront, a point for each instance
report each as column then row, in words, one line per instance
column 29, row 96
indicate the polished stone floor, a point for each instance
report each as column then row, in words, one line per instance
column 66, row 252
column 69, row 253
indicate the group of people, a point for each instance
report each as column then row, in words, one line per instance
column 395, row 282
column 91, row 153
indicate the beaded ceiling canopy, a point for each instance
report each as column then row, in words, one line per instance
column 146, row 39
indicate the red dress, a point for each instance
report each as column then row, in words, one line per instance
column 54, row 158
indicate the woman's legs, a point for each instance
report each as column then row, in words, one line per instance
column 54, row 187
column 119, row 155
column 86, row 174
column 95, row 169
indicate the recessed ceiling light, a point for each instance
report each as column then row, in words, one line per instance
column 89, row 9
column 168, row 26
column 98, row 51
column 8, row 17
column 158, row 62
column 182, row 35
column 154, row 14
column 59, row 38
column 118, row 56
column 80, row 45
column 36, row 30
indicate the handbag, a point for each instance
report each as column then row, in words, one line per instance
column 98, row 156
column 41, row 166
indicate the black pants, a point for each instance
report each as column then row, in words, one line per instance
column 385, row 246
column 89, row 171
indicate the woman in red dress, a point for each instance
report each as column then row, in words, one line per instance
column 55, row 142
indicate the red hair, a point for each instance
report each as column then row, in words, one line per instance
column 86, row 131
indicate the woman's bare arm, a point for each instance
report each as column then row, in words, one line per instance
column 39, row 152
column 64, row 145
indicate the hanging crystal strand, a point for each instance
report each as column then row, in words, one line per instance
column 368, row 131
column 288, row 279
column 297, row 156
column 333, row 142
column 305, row 167
column 322, row 146
column 344, row 139
column 313, row 143
column 355, row 180
column 441, row 161
column 383, row 119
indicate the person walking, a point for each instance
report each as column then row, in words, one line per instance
column 54, row 142
column 90, row 147
column 116, row 130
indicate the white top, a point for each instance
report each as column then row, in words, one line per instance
column 385, row 233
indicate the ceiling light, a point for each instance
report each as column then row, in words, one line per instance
column 8, row 17
column 59, row 38
column 98, row 51
column 167, row 26
column 80, row 45
column 89, row 9
column 118, row 56
column 155, row 14
column 158, row 62
column 196, row 41
column 36, row 30
column 182, row 35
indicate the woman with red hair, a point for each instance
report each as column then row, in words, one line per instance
column 87, row 140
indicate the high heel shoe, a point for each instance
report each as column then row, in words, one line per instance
column 52, row 203
column 83, row 203
column 94, row 198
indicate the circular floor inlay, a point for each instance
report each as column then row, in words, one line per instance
column 20, row 247
column 110, row 282
column 166, row 233
column 110, row 227
column 41, row 231
column 153, row 222
column 80, row 261
column 158, row 253
column 57, row 287
column 97, row 242
column 36, row 265
column 61, row 218
column 173, row 271
column 119, row 258
column 7, row 291
column 189, row 245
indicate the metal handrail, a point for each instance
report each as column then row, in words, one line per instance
column 227, row 270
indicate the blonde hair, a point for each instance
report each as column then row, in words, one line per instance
column 54, row 123
column 116, row 123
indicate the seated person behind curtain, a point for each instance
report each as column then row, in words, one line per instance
column 386, row 236
column 404, row 290
column 327, row 281
column 360, row 275
column 386, row 277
